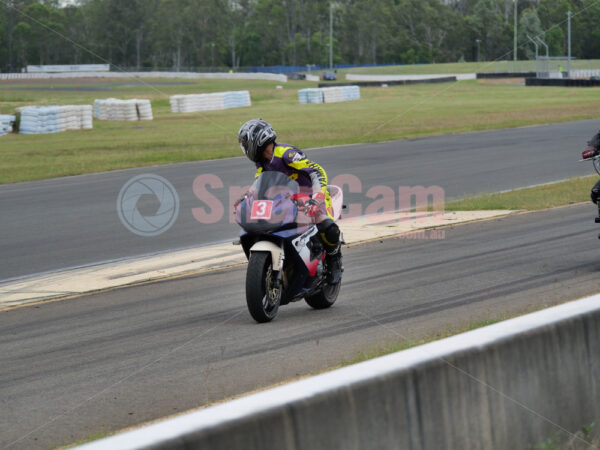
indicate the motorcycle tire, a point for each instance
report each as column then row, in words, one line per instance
column 260, row 270
column 325, row 297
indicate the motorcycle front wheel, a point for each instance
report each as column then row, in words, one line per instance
column 262, row 297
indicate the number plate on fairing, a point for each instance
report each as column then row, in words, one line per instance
column 261, row 209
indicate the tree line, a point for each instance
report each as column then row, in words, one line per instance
column 233, row 34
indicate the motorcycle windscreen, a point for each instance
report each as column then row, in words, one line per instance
column 268, row 206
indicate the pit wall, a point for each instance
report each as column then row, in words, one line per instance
column 514, row 384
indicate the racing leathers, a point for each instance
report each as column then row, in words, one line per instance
column 311, row 177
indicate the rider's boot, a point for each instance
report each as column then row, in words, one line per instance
column 334, row 264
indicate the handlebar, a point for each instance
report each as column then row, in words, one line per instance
column 300, row 200
column 589, row 154
column 592, row 154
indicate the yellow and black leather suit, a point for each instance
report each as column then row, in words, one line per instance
column 293, row 162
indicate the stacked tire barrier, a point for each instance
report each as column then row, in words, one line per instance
column 341, row 94
column 311, row 95
column 506, row 75
column 209, row 102
column 54, row 119
column 6, row 123
column 564, row 82
column 123, row 110
column 329, row 94
column 392, row 82
column 514, row 384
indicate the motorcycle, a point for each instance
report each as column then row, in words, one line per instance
column 593, row 154
column 286, row 258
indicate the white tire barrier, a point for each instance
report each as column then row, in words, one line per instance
column 54, row 119
column 329, row 95
column 209, row 102
column 122, row 110
column 311, row 95
column 6, row 123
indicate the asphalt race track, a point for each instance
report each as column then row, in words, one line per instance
column 68, row 222
column 75, row 368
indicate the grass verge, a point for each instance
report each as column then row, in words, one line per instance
column 567, row 192
column 382, row 114
column 405, row 344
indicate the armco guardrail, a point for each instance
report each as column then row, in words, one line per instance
column 185, row 75
column 509, row 385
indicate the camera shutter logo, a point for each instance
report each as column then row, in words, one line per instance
column 165, row 215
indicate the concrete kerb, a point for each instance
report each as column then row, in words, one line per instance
column 78, row 281
column 508, row 385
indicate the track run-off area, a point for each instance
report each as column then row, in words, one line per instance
column 94, row 364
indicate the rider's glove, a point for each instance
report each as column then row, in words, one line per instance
column 314, row 204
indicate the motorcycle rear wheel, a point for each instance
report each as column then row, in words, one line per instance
column 262, row 306
column 325, row 297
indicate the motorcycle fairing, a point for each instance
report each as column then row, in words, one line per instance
column 305, row 247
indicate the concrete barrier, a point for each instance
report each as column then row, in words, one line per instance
column 186, row 75
column 509, row 385
column 69, row 68
column 424, row 77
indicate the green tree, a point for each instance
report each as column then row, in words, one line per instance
column 487, row 24
column 529, row 25
column 555, row 39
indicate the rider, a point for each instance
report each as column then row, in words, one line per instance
column 257, row 140
column 594, row 144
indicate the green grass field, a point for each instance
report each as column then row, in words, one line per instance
column 381, row 114
column 575, row 190
column 484, row 66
